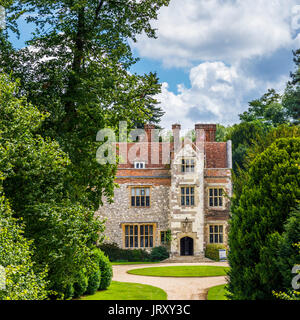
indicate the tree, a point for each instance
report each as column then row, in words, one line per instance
column 64, row 231
column 259, row 212
column 268, row 109
column 291, row 97
column 76, row 69
column 288, row 253
column 21, row 281
column 290, row 294
column 243, row 136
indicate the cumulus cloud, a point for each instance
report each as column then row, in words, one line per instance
column 216, row 95
column 190, row 31
column 235, row 50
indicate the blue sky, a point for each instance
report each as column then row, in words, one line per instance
column 213, row 56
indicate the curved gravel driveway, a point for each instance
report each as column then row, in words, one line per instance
column 184, row 288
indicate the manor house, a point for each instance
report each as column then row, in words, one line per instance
column 174, row 194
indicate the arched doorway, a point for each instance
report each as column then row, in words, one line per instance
column 186, row 246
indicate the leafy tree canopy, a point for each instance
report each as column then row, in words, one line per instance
column 75, row 68
column 33, row 179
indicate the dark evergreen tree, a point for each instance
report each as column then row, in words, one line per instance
column 271, row 188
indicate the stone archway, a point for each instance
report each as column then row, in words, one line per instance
column 186, row 246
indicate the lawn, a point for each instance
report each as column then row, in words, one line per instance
column 128, row 291
column 217, row 293
column 181, row 271
column 133, row 262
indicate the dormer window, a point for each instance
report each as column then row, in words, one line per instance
column 139, row 165
column 187, row 165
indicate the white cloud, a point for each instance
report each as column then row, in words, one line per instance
column 216, row 95
column 191, row 31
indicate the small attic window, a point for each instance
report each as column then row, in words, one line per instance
column 139, row 165
column 187, row 165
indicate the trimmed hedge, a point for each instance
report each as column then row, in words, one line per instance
column 80, row 285
column 115, row 253
column 159, row 253
column 94, row 282
column 105, row 269
column 212, row 251
column 106, row 272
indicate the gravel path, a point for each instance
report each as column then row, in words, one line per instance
column 176, row 288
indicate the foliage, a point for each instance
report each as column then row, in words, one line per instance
column 94, row 282
column 243, row 136
column 159, row 253
column 115, row 253
column 76, row 69
column 81, row 284
column 212, row 251
column 34, row 170
column 291, row 97
column 105, row 269
column 290, row 294
column 22, row 281
column 64, row 234
column 259, row 212
column 268, row 109
column 222, row 133
column 288, row 254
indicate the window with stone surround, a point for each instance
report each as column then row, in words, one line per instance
column 139, row 235
column 187, row 165
column 163, row 237
column 216, row 234
column 140, row 197
column 215, row 197
column 188, row 196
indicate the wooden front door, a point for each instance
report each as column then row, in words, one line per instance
column 186, row 246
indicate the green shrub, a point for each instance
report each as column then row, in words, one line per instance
column 94, row 282
column 159, row 253
column 68, row 291
column 212, row 251
column 106, row 272
column 117, row 254
column 105, row 269
column 80, row 285
column 112, row 250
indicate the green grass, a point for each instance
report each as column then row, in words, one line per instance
column 217, row 293
column 181, row 271
column 128, row 291
column 133, row 262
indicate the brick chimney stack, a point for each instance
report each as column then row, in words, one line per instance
column 148, row 129
column 176, row 136
column 209, row 129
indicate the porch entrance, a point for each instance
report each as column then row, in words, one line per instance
column 186, row 246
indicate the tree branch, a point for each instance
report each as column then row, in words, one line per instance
column 100, row 5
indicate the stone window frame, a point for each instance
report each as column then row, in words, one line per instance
column 138, row 235
column 184, row 166
column 223, row 207
column 140, row 187
column 195, row 195
column 163, row 232
column 214, row 233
